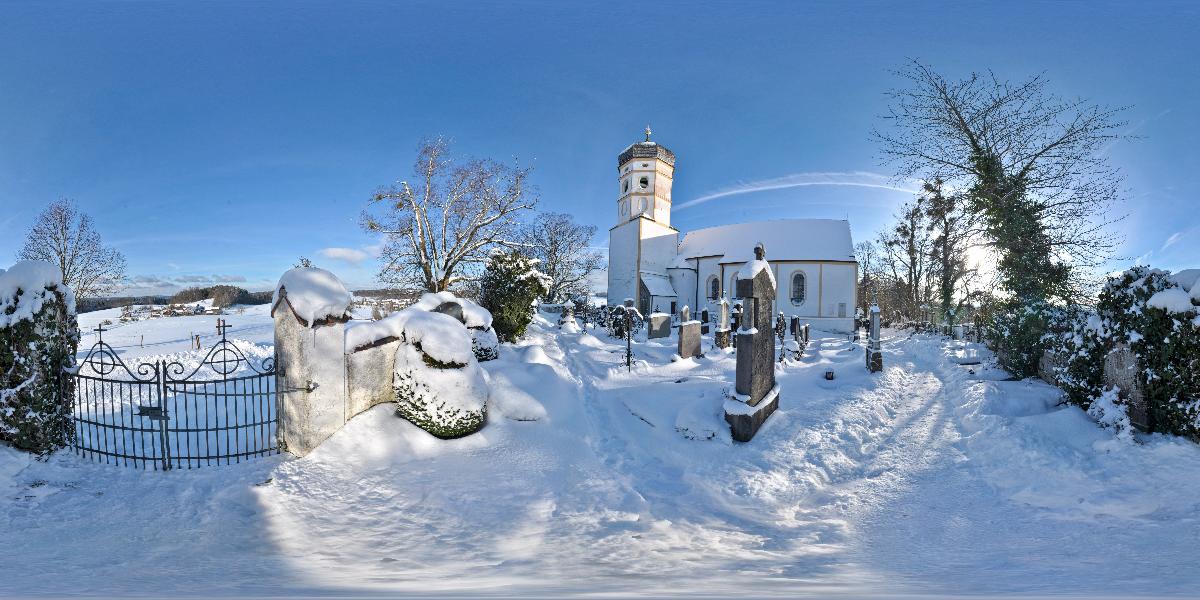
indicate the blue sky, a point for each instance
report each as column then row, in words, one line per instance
column 220, row 141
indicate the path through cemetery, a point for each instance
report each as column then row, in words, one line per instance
column 924, row 478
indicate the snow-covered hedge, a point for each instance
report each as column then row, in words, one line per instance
column 38, row 339
column 1158, row 316
column 440, row 386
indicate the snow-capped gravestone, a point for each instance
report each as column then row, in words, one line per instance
column 310, row 311
column 38, row 339
column 721, row 336
column 689, row 335
column 757, row 394
column 874, row 355
column 659, row 326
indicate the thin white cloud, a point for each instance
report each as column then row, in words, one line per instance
column 1175, row 237
column 851, row 179
column 349, row 255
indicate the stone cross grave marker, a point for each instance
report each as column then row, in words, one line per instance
column 757, row 395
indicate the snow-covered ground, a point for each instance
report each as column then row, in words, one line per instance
column 927, row 478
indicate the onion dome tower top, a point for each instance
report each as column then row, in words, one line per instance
column 646, row 149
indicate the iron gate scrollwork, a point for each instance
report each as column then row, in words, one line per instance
column 165, row 415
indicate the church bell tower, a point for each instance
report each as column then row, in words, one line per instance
column 645, row 171
column 642, row 245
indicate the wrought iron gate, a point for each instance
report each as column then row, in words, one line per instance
column 162, row 415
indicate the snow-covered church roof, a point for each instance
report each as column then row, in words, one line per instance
column 783, row 239
column 658, row 284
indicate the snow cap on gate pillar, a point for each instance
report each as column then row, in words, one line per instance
column 314, row 296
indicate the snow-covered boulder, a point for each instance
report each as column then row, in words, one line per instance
column 38, row 339
column 439, row 384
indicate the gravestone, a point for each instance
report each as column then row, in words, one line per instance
column 874, row 353
column 721, row 337
column 780, row 332
column 756, row 393
column 736, row 321
column 1121, row 370
column 794, row 328
column 1049, row 365
column 660, row 326
column 689, row 335
column 704, row 315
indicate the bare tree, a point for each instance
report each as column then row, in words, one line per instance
column 440, row 229
column 905, row 257
column 867, row 255
column 64, row 236
column 563, row 249
column 1034, row 165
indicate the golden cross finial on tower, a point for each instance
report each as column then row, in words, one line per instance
column 647, row 132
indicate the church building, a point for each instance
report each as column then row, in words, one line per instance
column 812, row 259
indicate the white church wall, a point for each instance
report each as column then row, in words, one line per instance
column 622, row 262
column 659, row 246
column 838, row 283
column 684, row 282
column 808, row 307
column 708, row 268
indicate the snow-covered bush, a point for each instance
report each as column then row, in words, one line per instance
column 439, row 385
column 1152, row 312
column 38, row 339
column 1020, row 332
column 508, row 289
column 1109, row 411
column 477, row 319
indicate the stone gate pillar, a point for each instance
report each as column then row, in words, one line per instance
column 310, row 311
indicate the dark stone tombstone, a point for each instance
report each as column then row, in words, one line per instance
column 704, row 322
column 874, row 352
column 453, row 309
column 757, row 395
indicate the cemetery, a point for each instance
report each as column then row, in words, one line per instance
column 381, row 299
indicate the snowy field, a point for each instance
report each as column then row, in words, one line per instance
column 924, row 479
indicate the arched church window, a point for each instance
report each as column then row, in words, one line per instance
column 714, row 288
column 625, row 186
column 644, row 182
column 799, row 288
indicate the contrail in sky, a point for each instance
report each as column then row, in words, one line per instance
column 853, row 179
